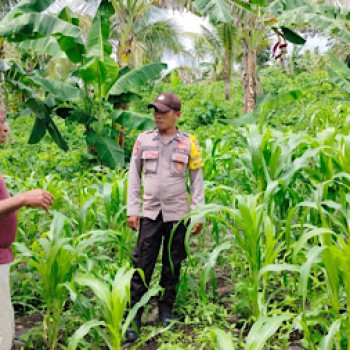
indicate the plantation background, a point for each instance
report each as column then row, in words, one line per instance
column 271, row 268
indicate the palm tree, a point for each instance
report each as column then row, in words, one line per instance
column 231, row 17
column 254, row 31
column 142, row 32
column 155, row 36
column 219, row 45
column 259, row 17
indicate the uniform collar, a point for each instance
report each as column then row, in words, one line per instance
column 156, row 134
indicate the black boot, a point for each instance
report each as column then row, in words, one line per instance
column 133, row 332
column 165, row 316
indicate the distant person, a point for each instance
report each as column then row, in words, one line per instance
column 163, row 156
column 8, row 228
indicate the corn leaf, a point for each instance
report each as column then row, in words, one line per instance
column 263, row 329
column 81, row 332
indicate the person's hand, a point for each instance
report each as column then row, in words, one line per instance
column 196, row 229
column 134, row 222
column 37, row 198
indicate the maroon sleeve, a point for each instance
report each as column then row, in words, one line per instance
column 8, row 228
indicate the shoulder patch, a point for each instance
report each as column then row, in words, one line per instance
column 196, row 160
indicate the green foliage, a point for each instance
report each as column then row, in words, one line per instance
column 206, row 114
column 218, row 10
column 269, row 270
column 84, row 101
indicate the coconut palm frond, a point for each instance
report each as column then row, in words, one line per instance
column 159, row 38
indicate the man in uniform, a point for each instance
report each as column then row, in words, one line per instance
column 164, row 156
column 8, row 228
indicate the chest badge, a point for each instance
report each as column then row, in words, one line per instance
column 179, row 166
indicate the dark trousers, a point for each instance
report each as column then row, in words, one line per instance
column 144, row 256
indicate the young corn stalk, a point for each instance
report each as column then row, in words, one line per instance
column 337, row 266
column 274, row 161
column 208, row 271
column 55, row 257
column 55, row 260
column 112, row 299
column 255, row 236
column 263, row 329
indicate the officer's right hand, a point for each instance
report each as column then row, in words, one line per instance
column 134, row 222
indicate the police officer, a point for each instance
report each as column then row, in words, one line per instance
column 163, row 156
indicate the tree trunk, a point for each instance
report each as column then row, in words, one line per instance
column 250, row 78
column 227, row 89
column 227, row 74
column 2, row 56
column 125, row 52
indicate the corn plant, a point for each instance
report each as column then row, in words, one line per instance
column 328, row 340
column 221, row 340
column 208, row 270
column 263, row 329
column 55, row 260
column 337, row 267
column 112, row 298
column 274, row 162
column 255, row 236
column 55, row 257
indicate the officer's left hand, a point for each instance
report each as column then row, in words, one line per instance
column 197, row 228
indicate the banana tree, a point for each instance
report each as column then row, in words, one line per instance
column 94, row 88
column 339, row 73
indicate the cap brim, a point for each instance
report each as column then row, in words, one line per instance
column 159, row 106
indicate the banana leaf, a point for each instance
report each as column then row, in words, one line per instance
column 133, row 120
column 218, row 10
column 333, row 20
column 37, row 25
column 277, row 7
column 292, row 36
column 260, row 3
column 58, row 89
column 28, row 6
column 94, row 71
column 56, row 135
column 47, row 46
column 137, row 78
column 67, row 15
column 97, row 40
column 39, row 129
column 339, row 73
column 107, row 149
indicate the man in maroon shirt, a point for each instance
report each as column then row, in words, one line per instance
column 8, row 228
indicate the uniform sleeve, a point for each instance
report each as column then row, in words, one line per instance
column 196, row 160
column 134, row 182
column 197, row 188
